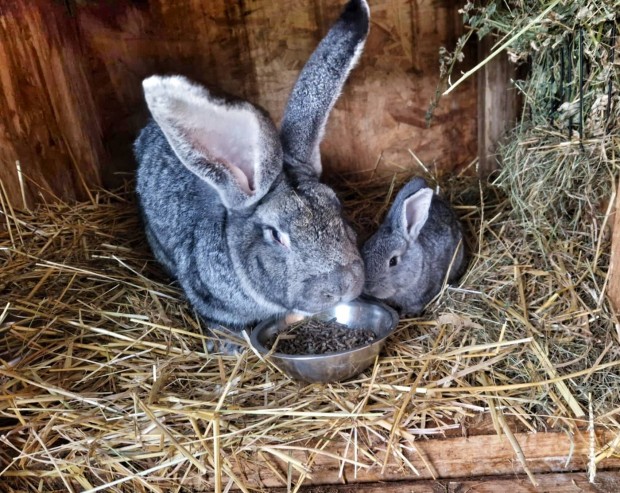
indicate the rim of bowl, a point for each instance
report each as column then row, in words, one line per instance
column 299, row 357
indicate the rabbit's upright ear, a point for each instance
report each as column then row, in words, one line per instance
column 231, row 146
column 411, row 208
column 319, row 86
column 415, row 212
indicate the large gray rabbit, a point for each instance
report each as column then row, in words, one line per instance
column 234, row 210
column 408, row 258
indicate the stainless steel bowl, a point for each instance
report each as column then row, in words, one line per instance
column 337, row 366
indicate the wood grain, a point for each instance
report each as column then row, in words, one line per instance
column 605, row 482
column 497, row 105
column 70, row 80
column 474, row 456
column 48, row 118
column 613, row 288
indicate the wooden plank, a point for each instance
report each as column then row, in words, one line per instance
column 474, row 456
column 605, row 482
column 497, row 105
column 613, row 288
column 70, row 81
column 48, row 118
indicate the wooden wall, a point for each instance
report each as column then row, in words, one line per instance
column 70, row 73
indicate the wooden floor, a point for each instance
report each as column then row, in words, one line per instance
column 557, row 462
column 606, row 482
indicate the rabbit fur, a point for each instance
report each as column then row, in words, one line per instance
column 408, row 258
column 233, row 209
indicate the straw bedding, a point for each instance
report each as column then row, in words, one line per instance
column 106, row 380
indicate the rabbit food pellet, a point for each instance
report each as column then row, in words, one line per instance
column 318, row 337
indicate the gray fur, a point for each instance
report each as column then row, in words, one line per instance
column 423, row 258
column 320, row 83
column 248, row 231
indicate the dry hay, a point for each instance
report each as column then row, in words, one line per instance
column 569, row 87
column 106, row 381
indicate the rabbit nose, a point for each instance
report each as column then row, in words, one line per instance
column 333, row 289
column 331, row 295
column 346, row 284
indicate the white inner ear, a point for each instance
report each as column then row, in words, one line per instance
column 222, row 134
column 415, row 211
column 227, row 136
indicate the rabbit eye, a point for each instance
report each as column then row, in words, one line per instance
column 276, row 236
column 393, row 261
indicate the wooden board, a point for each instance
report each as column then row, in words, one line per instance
column 497, row 105
column 474, row 456
column 613, row 288
column 70, row 81
column 47, row 110
column 605, row 482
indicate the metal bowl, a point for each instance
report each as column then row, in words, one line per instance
column 336, row 366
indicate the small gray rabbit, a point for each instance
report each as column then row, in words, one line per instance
column 408, row 258
column 235, row 211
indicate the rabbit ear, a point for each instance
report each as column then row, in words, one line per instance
column 231, row 146
column 415, row 211
column 319, row 86
column 410, row 188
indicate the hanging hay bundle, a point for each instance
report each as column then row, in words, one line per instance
column 559, row 165
column 108, row 382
